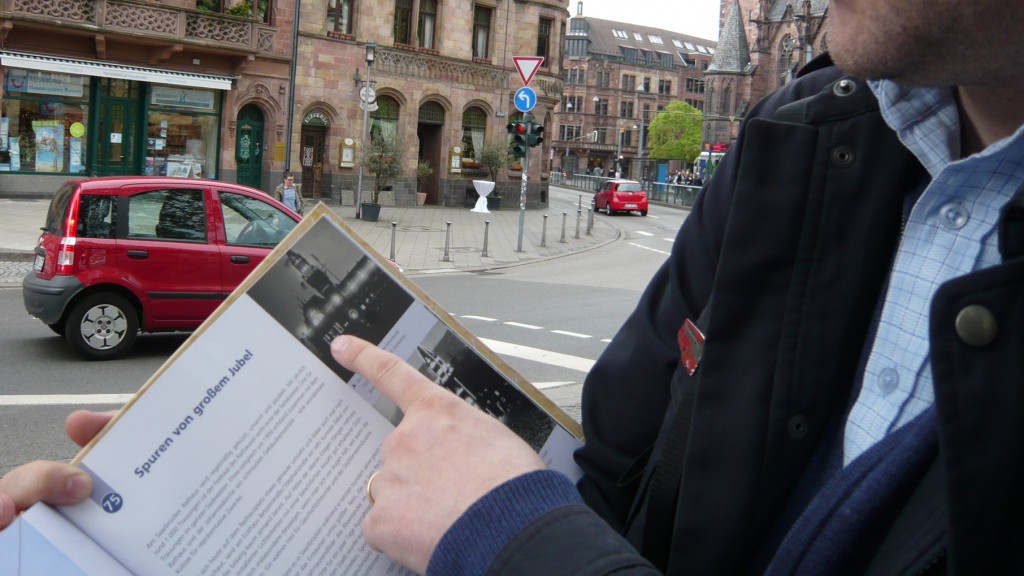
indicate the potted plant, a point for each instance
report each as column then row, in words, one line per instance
column 423, row 170
column 381, row 160
column 494, row 158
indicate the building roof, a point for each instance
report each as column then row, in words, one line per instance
column 609, row 38
column 733, row 53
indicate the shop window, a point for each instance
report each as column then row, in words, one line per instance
column 44, row 121
column 474, row 121
column 182, row 135
column 428, row 18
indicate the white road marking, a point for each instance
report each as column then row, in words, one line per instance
column 672, row 240
column 481, row 318
column 651, row 249
column 538, row 355
column 527, row 326
column 642, row 233
column 573, row 334
column 63, row 399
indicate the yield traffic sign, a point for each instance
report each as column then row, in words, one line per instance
column 527, row 66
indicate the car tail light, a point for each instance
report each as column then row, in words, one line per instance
column 66, row 256
column 66, row 250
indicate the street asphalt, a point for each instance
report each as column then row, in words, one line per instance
column 422, row 239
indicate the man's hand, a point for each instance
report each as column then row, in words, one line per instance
column 443, row 456
column 51, row 482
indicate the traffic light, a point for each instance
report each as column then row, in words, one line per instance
column 517, row 143
column 536, row 135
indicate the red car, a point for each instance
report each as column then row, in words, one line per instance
column 621, row 196
column 125, row 254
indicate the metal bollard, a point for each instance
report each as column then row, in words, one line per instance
column 394, row 228
column 447, row 242
column 590, row 221
column 562, row 240
column 487, row 226
column 544, row 233
column 579, row 213
column 579, row 202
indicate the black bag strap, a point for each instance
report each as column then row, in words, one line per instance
column 666, row 481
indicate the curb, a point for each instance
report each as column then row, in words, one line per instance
column 16, row 256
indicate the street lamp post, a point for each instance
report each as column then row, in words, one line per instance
column 618, row 156
column 565, row 158
column 371, row 47
column 640, row 143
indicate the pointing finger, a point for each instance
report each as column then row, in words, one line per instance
column 394, row 377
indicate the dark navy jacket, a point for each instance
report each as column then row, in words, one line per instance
column 781, row 264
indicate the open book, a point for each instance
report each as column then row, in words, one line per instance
column 248, row 452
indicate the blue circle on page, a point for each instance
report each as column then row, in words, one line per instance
column 112, row 502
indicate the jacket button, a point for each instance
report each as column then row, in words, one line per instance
column 844, row 87
column 797, row 427
column 842, row 156
column 976, row 326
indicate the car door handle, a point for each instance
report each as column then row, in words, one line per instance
column 240, row 259
column 138, row 254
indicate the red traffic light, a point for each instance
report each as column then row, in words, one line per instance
column 516, row 128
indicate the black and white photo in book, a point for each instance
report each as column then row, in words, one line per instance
column 321, row 288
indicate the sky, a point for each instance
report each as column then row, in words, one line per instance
column 694, row 17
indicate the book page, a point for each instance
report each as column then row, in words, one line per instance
column 41, row 542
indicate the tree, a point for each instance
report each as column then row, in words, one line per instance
column 675, row 132
column 381, row 158
column 494, row 158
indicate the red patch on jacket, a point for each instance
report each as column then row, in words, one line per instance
column 691, row 345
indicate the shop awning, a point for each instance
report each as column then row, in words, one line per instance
column 112, row 70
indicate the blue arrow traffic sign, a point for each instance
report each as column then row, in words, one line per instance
column 525, row 99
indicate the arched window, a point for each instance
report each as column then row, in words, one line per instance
column 384, row 120
column 474, row 123
column 427, row 23
column 785, row 61
column 726, row 101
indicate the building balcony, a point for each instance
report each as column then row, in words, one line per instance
column 410, row 62
column 164, row 29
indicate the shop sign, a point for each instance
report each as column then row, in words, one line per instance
column 182, row 97
column 38, row 82
column 307, row 156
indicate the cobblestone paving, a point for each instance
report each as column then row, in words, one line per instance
column 11, row 273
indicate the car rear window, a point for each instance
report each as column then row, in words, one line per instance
column 630, row 187
column 55, row 216
column 95, row 216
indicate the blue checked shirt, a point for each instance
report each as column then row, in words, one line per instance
column 951, row 231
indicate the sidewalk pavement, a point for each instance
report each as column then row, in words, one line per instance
column 422, row 237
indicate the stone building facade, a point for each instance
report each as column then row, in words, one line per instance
column 443, row 76
column 213, row 88
column 761, row 45
column 617, row 77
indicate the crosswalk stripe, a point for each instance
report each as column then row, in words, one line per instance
column 63, row 399
column 538, row 355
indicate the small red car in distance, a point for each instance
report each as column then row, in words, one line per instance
column 120, row 255
column 621, row 196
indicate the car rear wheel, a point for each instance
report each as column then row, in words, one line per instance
column 643, row 212
column 102, row 326
column 608, row 209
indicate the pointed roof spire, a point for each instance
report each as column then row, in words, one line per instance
column 732, row 54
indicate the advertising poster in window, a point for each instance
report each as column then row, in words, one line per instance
column 49, row 145
column 75, row 155
column 14, row 146
column 4, row 124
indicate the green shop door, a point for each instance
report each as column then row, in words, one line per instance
column 249, row 146
column 117, row 128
